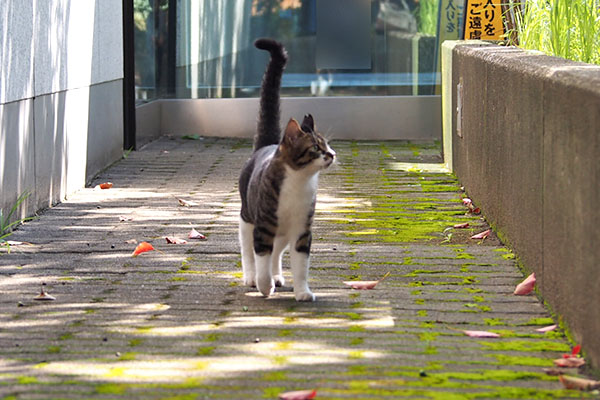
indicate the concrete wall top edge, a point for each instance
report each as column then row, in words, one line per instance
column 549, row 68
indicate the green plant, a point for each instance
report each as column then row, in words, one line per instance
column 6, row 226
column 564, row 28
column 427, row 14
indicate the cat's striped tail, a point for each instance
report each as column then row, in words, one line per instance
column 269, row 131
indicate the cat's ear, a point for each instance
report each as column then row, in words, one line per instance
column 308, row 123
column 292, row 131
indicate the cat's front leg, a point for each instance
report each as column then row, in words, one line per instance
column 300, row 265
column 247, row 246
column 299, row 259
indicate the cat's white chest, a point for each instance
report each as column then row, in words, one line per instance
column 296, row 198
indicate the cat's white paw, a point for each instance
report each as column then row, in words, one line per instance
column 305, row 296
column 279, row 280
column 249, row 281
column 266, row 287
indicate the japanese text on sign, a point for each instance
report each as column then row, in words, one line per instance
column 483, row 20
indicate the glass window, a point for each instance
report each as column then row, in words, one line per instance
column 335, row 47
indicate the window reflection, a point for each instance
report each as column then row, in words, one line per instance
column 213, row 56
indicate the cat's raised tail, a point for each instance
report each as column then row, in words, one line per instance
column 269, row 131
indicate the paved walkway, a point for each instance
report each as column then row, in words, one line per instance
column 177, row 323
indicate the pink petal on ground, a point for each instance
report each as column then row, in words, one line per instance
column 124, row 218
column 299, row 395
column 194, row 234
column 361, row 285
column 526, row 286
column 466, row 201
column 482, row 235
column 571, row 382
column 481, row 334
column 174, row 240
column 571, row 362
column 461, row 226
column 547, row 328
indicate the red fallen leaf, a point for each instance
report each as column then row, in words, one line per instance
column 571, row 382
column 547, row 328
column 105, row 185
column 482, row 235
column 174, row 240
column 570, row 362
column 298, row 395
column 526, row 286
column 481, row 334
column 461, row 226
column 365, row 285
column 194, row 234
column 576, row 350
column 552, row 371
column 142, row 248
column 475, row 210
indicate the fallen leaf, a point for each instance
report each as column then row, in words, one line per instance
column 142, row 248
column 526, row 286
column 575, row 350
column 466, row 201
column 174, row 240
column 482, row 235
column 191, row 137
column 570, row 362
column 105, row 185
column 43, row 296
column 481, row 334
column 552, row 371
column 476, row 210
column 124, row 218
column 186, row 203
column 547, row 328
column 298, row 395
column 571, row 382
column 194, row 234
column 461, row 226
column 365, row 285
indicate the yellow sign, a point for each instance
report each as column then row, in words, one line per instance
column 483, row 20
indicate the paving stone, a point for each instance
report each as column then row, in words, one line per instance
column 177, row 323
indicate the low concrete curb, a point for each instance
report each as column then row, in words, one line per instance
column 527, row 152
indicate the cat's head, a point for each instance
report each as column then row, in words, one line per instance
column 304, row 148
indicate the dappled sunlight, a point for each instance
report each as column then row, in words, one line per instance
column 417, row 167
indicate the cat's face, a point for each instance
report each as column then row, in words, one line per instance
column 305, row 149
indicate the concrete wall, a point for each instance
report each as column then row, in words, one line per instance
column 528, row 154
column 61, row 71
column 362, row 118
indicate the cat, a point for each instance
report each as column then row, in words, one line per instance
column 278, row 188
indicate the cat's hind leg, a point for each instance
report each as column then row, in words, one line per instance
column 247, row 245
column 263, row 253
column 279, row 245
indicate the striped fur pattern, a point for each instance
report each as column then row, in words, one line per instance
column 278, row 187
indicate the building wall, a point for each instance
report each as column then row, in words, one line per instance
column 61, row 77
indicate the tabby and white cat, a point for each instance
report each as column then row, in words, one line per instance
column 278, row 187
